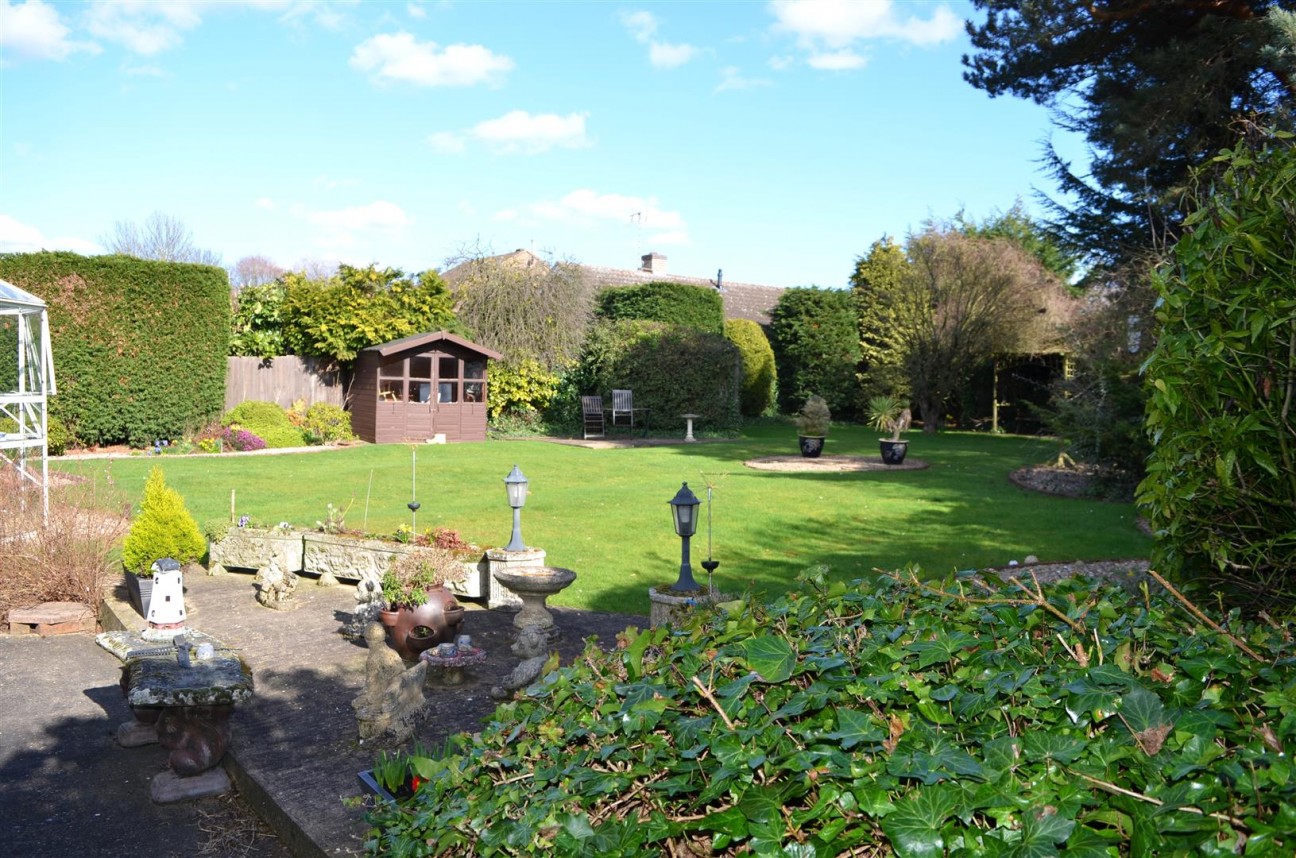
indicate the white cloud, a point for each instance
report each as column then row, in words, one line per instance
column 642, row 26
column 19, row 237
column 145, row 27
column 781, row 63
column 447, row 142
column 518, row 131
column 836, row 61
column 414, row 10
column 588, row 208
column 399, row 57
column 265, row 203
column 376, row 215
column 34, row 31
column 664, row 56
column 827, row 29
column 731, row 78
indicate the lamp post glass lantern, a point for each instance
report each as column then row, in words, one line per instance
column 684, row 507
column 516, row 486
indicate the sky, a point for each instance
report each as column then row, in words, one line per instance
column 773, row 141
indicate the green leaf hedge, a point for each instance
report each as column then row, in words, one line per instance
column 886, row 717
column 139, row 346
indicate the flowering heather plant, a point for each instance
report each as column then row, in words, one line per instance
column 242, row 440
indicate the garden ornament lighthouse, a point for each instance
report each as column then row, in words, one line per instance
column 166, row 608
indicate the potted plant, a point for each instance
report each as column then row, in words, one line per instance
column 812, row 426
column 414, row 591
column 888, row 413
column 163, row 528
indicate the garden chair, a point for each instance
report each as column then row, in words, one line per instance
column 623, row 409
column 592, row 416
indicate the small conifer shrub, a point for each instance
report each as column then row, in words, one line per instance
column 163, row 528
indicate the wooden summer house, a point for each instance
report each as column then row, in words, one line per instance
column 421, row 387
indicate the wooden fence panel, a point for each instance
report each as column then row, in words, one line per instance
column 283, row 380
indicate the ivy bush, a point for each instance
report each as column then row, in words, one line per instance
column 759, row 378
column 675, row 303
column 887, row 717
column 266, row 420
column 1221, row 480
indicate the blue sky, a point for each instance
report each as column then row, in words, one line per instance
column 775, row 141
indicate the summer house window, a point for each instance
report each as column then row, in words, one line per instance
column 474, row 386
column 447, row 379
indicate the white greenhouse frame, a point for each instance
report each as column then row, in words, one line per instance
column 28, row 405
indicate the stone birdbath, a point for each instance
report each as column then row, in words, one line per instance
column 533, row 586
column 447, row 662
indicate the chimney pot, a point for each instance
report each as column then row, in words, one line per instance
column 653, row 263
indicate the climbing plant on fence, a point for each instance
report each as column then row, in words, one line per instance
column 888, row 717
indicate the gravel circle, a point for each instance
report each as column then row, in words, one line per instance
column 831, row 464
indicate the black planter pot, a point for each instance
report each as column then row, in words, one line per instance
column 140, row 588
column 811, row 446
column 893, row 452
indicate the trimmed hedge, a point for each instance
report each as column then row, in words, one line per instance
column 139, row 346
column 675, row 303
column 816, row 341
column 672, row 370
column 759, row 379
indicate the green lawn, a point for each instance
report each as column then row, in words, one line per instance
column 604, row 513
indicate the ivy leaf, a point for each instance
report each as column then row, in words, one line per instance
column 942, row 761
column 942, row 649
column 854, row 727
column 1053, row 746
column 730, row 821
column 914, row 829
column 1042, row 829
column 1087, row 843
column 771, row 657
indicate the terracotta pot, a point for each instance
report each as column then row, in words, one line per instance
column 441, row 614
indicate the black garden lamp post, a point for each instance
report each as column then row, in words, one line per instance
column 684, row 507
column 516, row 486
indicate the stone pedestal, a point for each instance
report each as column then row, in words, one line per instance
column 669, row 608
column 533, row 586
column 499, row 560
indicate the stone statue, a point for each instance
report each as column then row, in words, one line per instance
column 393, row 697
column 274, row 586
column 532, row 647
column 369, row 601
